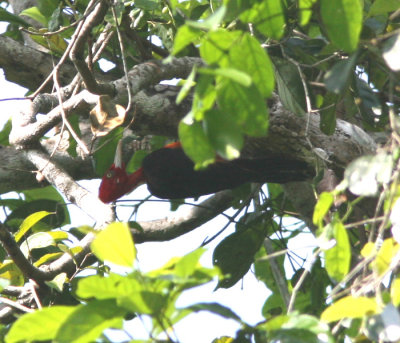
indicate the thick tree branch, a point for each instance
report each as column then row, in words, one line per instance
column 176, row 225
column 29, row 67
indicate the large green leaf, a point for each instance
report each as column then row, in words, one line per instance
column 267, row 17
column 350, row 307
column 337, row 78
column 87, row 322
column 12, row 18
column 216, row 45
column 195, row 143
column 290, row 87
column 29, row 222
column 235, row 254
column 40, row 325
column 343, row 22
column 115, row 244
column 337, row 258
column 224, row 134
column 245, row 105
column 248, row 56
column 379, row 7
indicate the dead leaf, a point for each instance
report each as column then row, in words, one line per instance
column 106, row 116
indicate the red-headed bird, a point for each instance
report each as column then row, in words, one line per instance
column 170, row 174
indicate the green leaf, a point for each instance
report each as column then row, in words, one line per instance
column 41, row 240
column 211, row 23
column 216, row 309
column 349, row 307
column 12, row 18
column 337, row 78
column 186, row 265
column 230, row 73
column 322, row 207
column 185, row 36
column 148, row 5
column 365, row 174
column 187, row 86
column 267, row 17
column 343, row 22
column 305, row 11
column 5, row 132
column 248, row 56
column 290, row 87
column 87, row 322
column 104, row 157
column 328, row 114
column 245, row 105
column 379, row 7
column 112, row 286
column 47, row 7
column 58, row 282
column 195, row 143
column 235, row 254
column 224, row 134
column 337, row 259
column 115, row 244
column 216, row 46
column 136, row 160
column 144, row 302
column 395, row 292
column 29, row 222
column 40, row 325
column 34, row 13
column 385, row 256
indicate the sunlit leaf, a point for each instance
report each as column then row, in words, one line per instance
column 322, row 207
column 385, row 255
column 350, row 307
column 29, row 222
column 267, row 17
column 395, row 292
column 186, row 35
column 40, row 325
column 338, row 258
column 115, row 244
column 87, row 322
column 34, row 13
column 41, row 240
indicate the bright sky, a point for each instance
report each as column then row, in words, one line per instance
column 245, row 298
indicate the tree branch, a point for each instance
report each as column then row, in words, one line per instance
column 77, row 52
column 176, row 225
column 18, row 257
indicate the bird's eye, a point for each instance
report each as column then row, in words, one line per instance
column 110, row 174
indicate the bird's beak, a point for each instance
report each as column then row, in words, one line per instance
column 118, row 155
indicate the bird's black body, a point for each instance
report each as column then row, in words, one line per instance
column 169, row 173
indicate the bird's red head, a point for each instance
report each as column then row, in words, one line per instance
column 116, row 183
column 113, row 184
